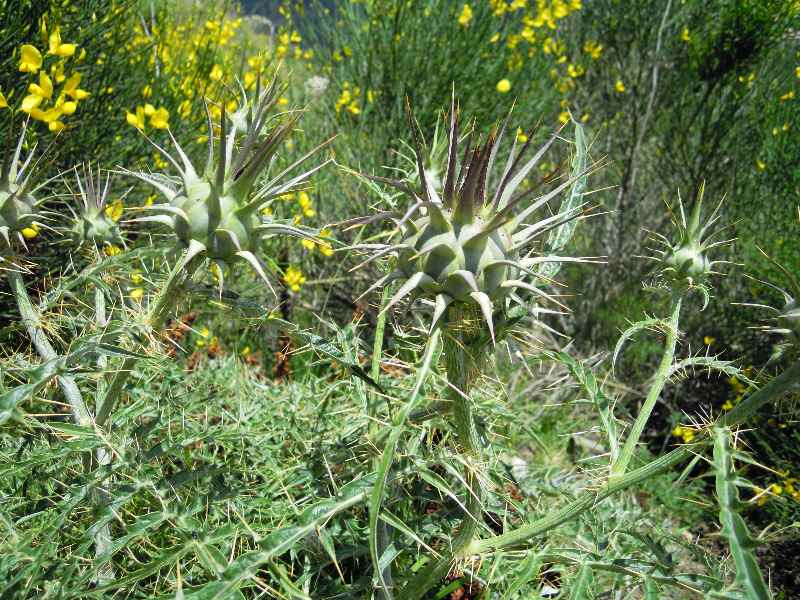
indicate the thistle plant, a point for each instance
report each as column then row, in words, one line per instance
column 95, row 223
column 783, row 322
column 470, row 250
column 218, row 212
column 683, row 264
column 20, row 217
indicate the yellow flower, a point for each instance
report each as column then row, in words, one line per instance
column 466, row 16
column 57, row 48
column 185, row 108
column 683, row 432
column 3, row 103
column 503, row 86
column 787, row 96
column 112, row 250
column 797, row 72
column 114, row 210
column 72, row 90
column 308, row 245
column 305, row 204
column 574, row 71
column 38, row 93
column 593, row 49
column 685, row 35
column 57, row 72
column 708, row 340
column 245, row 351
column 727, row 406
column 563, row 116
column 30, row 59
column 294, row 278
column 137, row 294
column 30, row 232
column 136, row 119
column 136, row 277
column 325, row 248
column 204, row 334
column 521, row 137
column 619, row 87
column 283, row 101
column 216, row 73
column 160, row 118
column 761, row 165
column 44, row 88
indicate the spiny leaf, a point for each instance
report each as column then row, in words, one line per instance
column 561, row 235
column 642, row 325
column 586, row 379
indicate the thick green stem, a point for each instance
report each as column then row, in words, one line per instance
column 619, row 467
column 165, row 302
column 33, row 325
column 464, row 353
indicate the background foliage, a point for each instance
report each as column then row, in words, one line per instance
column 227, row 444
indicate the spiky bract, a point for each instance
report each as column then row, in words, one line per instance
column 92, row 225
column 785, row 321
column 686, row 258
column 474, row 240
column 218, row 211
column 19, row 214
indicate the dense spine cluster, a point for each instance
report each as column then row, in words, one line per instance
column 218, row 212
column 92, row 224
column 472, row 241
column 19, row 214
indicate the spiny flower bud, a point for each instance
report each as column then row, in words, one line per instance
column 472, row 244
column 20, row 217
column 219, row 212
column 95, row 223
column 686, row 259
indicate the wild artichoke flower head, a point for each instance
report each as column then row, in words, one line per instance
column 20, row 218
column 475, row 241
column 686, row 260
column 218, row 212
column 96, row 221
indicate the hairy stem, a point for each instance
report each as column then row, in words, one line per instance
column 32, row 321
column 619, row 466
column 464, row 354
